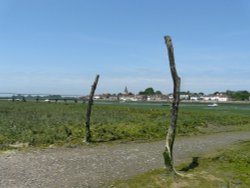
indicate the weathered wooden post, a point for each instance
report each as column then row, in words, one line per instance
column 168, row 153
column 88, row 113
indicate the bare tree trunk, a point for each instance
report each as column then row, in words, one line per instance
column 168, row 153
column 88, row 114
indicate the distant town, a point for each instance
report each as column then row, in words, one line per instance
column 149, row 94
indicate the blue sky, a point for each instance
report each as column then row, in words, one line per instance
column 58, row 46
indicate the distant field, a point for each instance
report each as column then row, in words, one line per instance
column 49, row 123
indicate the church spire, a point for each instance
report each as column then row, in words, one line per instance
column 126, row 90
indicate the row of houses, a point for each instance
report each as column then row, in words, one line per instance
column 131, row 97
column 210, row 98
column 220, row 97
column 161, row 97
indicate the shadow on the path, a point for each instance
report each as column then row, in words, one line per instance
column 192, row 165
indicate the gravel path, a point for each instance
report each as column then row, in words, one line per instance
column 91, row 166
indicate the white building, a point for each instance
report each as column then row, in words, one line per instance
column 184, row 97
column 219, row 98
column 194, row 98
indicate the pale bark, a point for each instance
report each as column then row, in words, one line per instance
column 89, row 109
column 168, row 153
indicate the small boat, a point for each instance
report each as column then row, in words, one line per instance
column 212, row 105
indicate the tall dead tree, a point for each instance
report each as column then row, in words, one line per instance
column 168, row 153
column 89, row 109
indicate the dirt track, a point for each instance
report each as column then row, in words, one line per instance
column 91, row 166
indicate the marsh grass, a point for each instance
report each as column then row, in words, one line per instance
column 40, row 124
column 227, row 168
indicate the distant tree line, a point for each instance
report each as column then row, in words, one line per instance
column 238, row 95
column 149, row 91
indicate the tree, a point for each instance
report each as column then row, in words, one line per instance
column 141, row 93
column 149, row 91
column 158, row 93
column 168, row 153
column 201, row 94
column 241, row 95
column 216, row 93
column 88, row 113
column 238, row 95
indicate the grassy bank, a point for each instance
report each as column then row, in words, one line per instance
column 49, row 123
column 227, row 168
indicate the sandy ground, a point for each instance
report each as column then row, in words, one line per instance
column 91, row 166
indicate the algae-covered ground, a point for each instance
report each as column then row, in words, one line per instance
column 38, row 124
column 227, row 168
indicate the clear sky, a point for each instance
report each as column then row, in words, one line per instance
column 58, row 46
